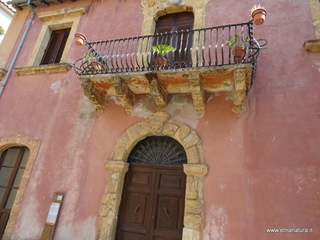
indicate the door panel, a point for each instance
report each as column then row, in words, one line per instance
column 136, row 208
column 167, row 213
column 152, row 204
column 132, row 236
column 134, row 214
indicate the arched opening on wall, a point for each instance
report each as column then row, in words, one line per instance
column 13, row 162
column 158, row 124
column 153, row 197
column 31, row 148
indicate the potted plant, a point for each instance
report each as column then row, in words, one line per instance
column 1, row 31
column 90, row 61
column 161, row 50
column 258, row 14
column 238, row 47
column 79, row 39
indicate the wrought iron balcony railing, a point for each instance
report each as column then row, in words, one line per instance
column 196, row 48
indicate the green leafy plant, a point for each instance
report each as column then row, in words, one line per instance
column 89, row 55
column 1, row 31
column 162, row 49
column 236, row 41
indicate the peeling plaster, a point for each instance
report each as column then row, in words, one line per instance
column 182, row 110
column 28, row 227
column 72, row 165
column 222, row 186
column 55, row 87
column 143, row 107
column 82, row 230
column 215, row 224
column 317, row 66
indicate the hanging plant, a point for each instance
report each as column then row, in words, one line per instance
column 258, row 14
column 79, row 39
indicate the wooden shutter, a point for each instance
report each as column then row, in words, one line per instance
column 181, row 41
column 55, row 46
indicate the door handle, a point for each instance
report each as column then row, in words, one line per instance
column 166, row 211
column 137, row 208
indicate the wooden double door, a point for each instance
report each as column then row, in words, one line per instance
column 152, row 204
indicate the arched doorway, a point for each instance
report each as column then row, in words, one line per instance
column 152, row 205
column 158, row 124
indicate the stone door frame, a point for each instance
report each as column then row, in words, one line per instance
column 158, row 124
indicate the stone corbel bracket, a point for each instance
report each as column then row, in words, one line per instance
column 239, row 93
column 95, row 94
column 124, row 94
column 197, row 93
column 157, row 92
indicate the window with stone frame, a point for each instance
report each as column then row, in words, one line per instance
column 12, row 165
column 55, row 46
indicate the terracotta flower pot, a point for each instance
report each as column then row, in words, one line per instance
column 238, row 53
column 160, row 62
column 79, row 39
column 97, row 65
column 259, row 16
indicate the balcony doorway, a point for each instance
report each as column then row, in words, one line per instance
column 182, row 41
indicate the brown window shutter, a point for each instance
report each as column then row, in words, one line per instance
column 182, row 42
column 55, row 46
column 174, row 22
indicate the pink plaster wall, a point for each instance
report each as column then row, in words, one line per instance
column 263, row 167
column 75, row 145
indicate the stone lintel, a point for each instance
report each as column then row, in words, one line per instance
column 117, row 166
column 197, row 92
column 47, row 68
column 61, row 13
column 157, row 92
column 312, row 45
column 198, row 170
column 124, row 94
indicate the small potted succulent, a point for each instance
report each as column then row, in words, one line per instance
column 162, row 50
column 90, row 61
column 258, row 14
column 238, row 47
column 79, row 39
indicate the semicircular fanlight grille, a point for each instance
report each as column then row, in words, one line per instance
column 158, row 150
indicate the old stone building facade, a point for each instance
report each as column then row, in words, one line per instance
column 100, row 141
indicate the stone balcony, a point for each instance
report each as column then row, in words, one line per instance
column 201, row 65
